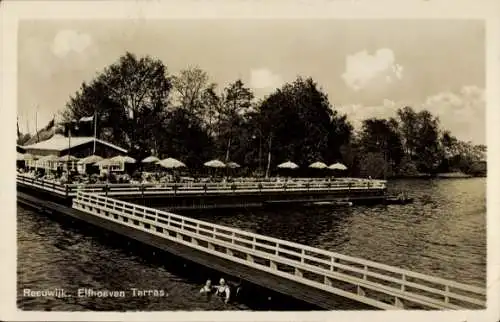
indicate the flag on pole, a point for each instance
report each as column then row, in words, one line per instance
column 87, row 119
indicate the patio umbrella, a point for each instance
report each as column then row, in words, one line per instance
column 50, row 157
column 67, row 158
column 29, row 156
column 337, row 166
column 288, row 165
column 232, row 165
column 105, row 162
column 171, row 163
column 318, row 165
column 214, row 164
column 90, row 159
column 150, row 159
column 123, row 159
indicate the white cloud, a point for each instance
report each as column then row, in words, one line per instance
column 70, row 41
column 357, row 113
column 263, row 78
column 363, row 68
column 462, row 112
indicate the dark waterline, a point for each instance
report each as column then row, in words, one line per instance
column 442, row 234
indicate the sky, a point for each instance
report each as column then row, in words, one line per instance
column 368, row 68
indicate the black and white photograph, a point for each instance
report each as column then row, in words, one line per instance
column 187, row 164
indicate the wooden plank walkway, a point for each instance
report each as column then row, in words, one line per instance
column 374, row 284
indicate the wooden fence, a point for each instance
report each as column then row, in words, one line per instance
column 378, row 285
column 118, row 189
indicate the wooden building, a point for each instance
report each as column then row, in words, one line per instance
column 46, row 154
column 79, row 147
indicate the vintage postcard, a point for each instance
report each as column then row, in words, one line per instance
column 250, row 160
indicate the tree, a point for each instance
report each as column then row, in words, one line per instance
column 382, row 136
column 408, row 129
column 427, row 146
column 449, row 144
column 129, row 97
column 373, row 164
column 351, row 153
column 301, row 125
column 211, row 114
column 189, row 87
column 421, row 138
column 187, row 140
column 235, row 103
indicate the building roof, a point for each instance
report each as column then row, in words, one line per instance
column 60, row 143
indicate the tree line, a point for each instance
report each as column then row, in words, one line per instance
column 141, row 106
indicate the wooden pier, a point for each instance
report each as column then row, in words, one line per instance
column 313, row 275
column 220, row 195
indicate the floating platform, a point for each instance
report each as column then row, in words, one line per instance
column 218, row 195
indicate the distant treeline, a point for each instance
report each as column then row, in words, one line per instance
column 143, row 108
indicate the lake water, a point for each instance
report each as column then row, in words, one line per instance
column 443, row 233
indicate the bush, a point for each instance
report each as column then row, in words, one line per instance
column 408, row 168
column 373, row 165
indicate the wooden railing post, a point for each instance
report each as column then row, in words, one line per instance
column 398, row 303
column 334, row 260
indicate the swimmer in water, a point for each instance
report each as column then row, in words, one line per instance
column 207, row 289
column 223, row 290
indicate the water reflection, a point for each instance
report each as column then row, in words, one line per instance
column 303, row 225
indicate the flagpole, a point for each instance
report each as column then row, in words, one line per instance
column 36, row 125
column 69, row 150
column 95, row 129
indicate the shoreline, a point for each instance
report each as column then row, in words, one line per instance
column 445, row 175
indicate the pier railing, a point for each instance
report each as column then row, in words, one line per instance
column 117, row 189
column 48, row 185
column 379, row 285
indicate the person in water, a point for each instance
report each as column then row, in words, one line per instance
column 207, row 289
column 223, row 290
